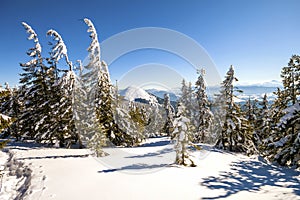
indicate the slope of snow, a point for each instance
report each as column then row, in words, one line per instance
column 147, row 172
column 132, row 92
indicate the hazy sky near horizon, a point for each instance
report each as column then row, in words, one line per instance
column 257, row 37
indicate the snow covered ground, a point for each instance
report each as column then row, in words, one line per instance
column 145, row 172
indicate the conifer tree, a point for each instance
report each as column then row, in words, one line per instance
column 155, row 120
column 182, row 137
column 102, row 91
column 184, row 93
column 187, row 99
column 61, row 90
column 168, row 127
column 263, row 122
column 283, row 145
column 5, row 121
column 250, row 113
column 32, row 88
column 10, row 106
column 204, row 113
column 236, row 134
column 138, row 117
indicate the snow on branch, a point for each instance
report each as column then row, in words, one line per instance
column 290, row 114
column 59, row 50
column 33, row 36
column 94, row 47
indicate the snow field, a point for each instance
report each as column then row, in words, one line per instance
column 147, row 172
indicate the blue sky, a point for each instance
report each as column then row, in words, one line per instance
column 257, row 37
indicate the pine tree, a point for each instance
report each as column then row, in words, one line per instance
column 263, row 122
column 5, row 121
column 81, row 109
column 236, row 134
column 10, row 106
column 182, row 138
column 184, row 93
column 103, row 91
column 168, row 127
column 250, row 113
column 139, row 119
column 32, row 88
column 155, row 120
column 204, row 113
column 187, row 99
column 283, row 145
column 60, row 124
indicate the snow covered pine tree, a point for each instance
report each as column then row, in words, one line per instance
column 182, row 138
column 283, row 144
column 5, row 121
column 204, row 113
column 168, row 127
column 103, row 92
column 236, row 134
column 188, row 100
column 32, row 88
column 60, row 124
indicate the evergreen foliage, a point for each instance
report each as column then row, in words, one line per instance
column 103, row 92
column 236, row 134
column 168, row 127
column 204, row 113
column 5, row 121
column 182, row 137
column 283, row 144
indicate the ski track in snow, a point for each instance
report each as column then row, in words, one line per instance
column 147, row 172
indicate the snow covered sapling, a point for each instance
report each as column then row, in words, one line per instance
column 182, row 138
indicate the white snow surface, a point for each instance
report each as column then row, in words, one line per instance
column 131, row 173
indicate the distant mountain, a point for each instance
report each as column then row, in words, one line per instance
column 250, row 91
column 161, row 93
column 133, row 93
column 272, row 83
column 153, row 96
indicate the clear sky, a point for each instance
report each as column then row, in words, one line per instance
column 257, row 37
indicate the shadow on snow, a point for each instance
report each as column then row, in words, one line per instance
column 153, row 154
column 251, row 176
column 138, row 166
column 156, row 144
